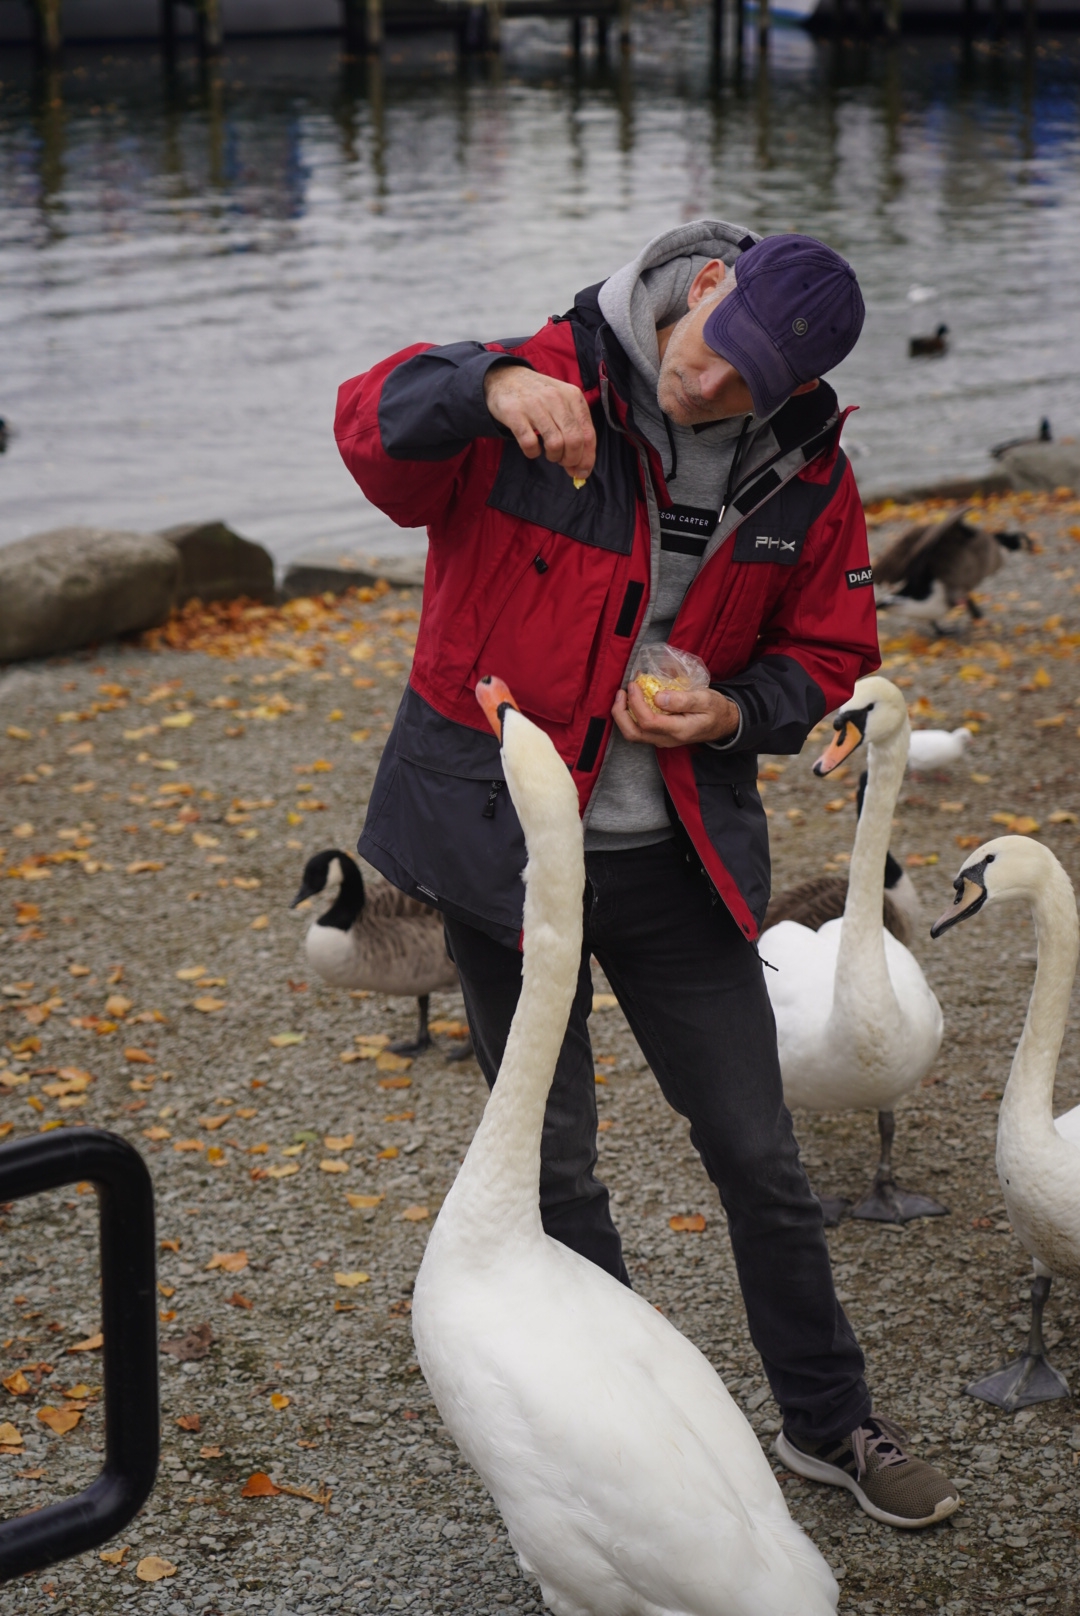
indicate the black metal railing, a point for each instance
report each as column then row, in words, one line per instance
column 129, row 1325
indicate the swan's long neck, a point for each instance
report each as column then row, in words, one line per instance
column 1029, row 1094
column 861, row 971
column 496, row 1194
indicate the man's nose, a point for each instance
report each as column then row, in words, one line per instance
column 714, row 378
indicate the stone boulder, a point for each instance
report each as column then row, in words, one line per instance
column 320, row 573
column 75, row 586
column 1044, row 466
column 217, row 564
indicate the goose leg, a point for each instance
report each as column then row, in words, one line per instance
column 886, row 1202
column 423, row 1039
column 1029, row 1378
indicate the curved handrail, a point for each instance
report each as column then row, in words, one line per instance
column 129, row 1325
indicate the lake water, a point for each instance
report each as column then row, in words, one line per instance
column 188, row 268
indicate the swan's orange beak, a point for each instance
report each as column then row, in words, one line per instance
column 849, row 736
column 494, row 697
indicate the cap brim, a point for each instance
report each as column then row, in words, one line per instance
column 732, row 332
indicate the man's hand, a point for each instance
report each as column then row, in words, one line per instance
column 688, row 716
column 543, row 414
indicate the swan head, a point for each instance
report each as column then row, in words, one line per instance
column 318, row 870
column 1006, row 867
column 876, row 713
column 540, row 784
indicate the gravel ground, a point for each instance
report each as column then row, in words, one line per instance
column 145, row 755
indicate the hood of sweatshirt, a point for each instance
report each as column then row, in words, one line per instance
column 651, row 290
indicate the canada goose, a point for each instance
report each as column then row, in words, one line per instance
column 937, row 565
column 926, row 347
column 377, row 939
column 630, row 1482
column 823, row 897
column 857, row 1024
column 1044, row 435
column 1038, row 1155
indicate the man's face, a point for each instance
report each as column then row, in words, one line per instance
column 696, row 385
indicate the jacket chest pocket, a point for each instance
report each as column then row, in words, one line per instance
column 541, row 643
column 601, row 513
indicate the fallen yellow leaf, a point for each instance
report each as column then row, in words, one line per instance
column 286, row 1170
column 144, row 866
column 115, row 1556
column 189, row 1144
column 16, row 1383
column 117, row 1005
column 293, row 1150
column 361, row 1202
column 191, row 973
column 604, row 1001
column 178, row 721
column 343, row 1141
column 59, row 1420
column 232, row 1262
column 415, row 1214
column 9, row 1436
column 388, row 1154
column 1061, row 817
column 279, row 1400
column 282, row 1040
column 350, row 1281
column 692, row 1223
column 152, row 1568
column 385, row 1061
column 395, row 1082
column 334, row 1164
column 259, row 1486
column 260, row 923
column 93, row 1343
column 207, row 1004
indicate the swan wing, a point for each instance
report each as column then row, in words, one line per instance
column 630, row 1482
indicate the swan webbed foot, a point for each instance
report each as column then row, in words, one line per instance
column 833, row 1208
column 1031, row 1378
column 886, row 1202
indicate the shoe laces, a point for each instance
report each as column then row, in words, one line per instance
column 881, row 1437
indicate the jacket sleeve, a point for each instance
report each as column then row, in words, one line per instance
column 821, row 637
column 405, row 428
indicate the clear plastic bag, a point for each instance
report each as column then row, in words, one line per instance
column 665, row 667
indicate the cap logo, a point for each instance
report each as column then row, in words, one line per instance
column 799, row 327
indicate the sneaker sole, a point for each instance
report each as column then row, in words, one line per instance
column 803, row 1464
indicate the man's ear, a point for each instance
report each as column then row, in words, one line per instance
column 706, row 282
column 807, row 387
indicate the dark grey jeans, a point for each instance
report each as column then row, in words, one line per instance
column 693, row 991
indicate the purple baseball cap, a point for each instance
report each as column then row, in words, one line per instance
column 796, row 311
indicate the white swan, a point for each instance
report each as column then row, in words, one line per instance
column 629, row 1481
column 935, row 748
column 1038, row 1157
column 856, row 1022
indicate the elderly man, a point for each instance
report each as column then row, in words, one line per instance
column 661, row 464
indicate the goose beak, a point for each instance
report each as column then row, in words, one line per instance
column 971, row 894
column 494, row 697
column 850, row 733
column 304, row 893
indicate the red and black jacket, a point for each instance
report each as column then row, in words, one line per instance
column 547, row 587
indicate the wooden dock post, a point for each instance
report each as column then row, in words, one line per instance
column 892, row 18
column 168, row 27
column 208, row 27
column 738, row 33
column 47, row 31
column 624, row 25
column 716, row 33
column 763, row 25
column 363, row 26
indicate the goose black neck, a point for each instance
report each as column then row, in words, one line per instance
column 350, row 899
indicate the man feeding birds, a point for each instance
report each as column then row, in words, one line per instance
column 659, row 467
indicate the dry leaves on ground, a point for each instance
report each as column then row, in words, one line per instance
column 415, row 1214
column 282, row 1040
column 259, row 1486
column 152, row 1568
column 350, row 1281
column 360, row 1203
column 232, row 1262
column 93, row 1343
column 192, row 1347
column 691, row 1223
column 10, row 1438
column 59, row 1420
column 189, row 1422
column 115, row 1556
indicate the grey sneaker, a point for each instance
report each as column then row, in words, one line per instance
column 888, row 1483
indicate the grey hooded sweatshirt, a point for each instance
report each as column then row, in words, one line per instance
column 627, row 808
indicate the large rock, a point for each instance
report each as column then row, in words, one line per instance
column 217, row 564
column 320, row 573
column 1044, row 466
column 77, row 585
